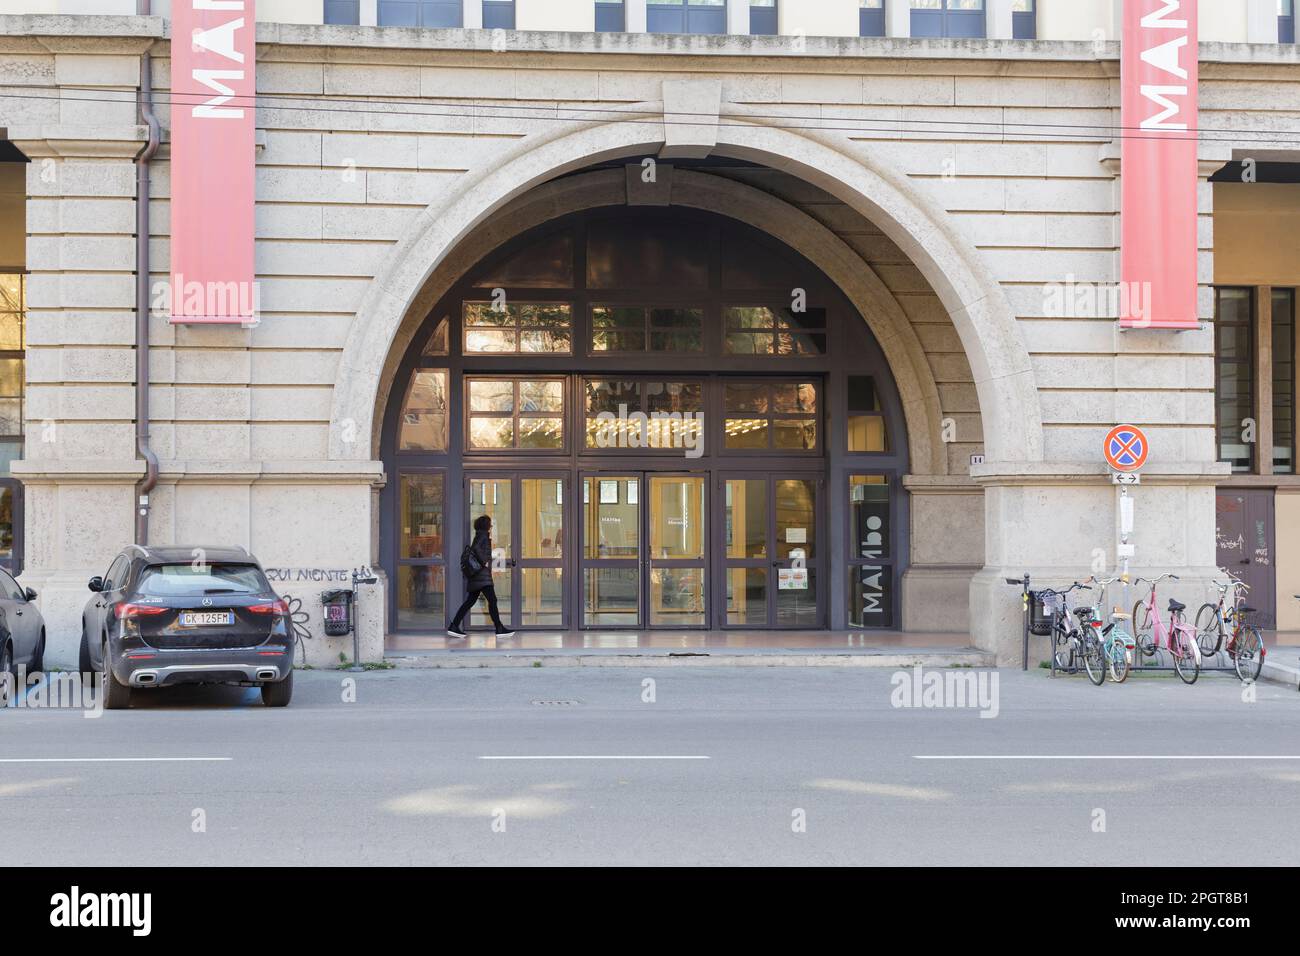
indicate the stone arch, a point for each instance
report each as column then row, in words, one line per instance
column 854, row 277
column 1004, row 378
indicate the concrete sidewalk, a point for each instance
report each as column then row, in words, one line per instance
column 710, row 657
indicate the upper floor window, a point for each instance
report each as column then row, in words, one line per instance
column 343, row 11
column 762, row 18
column 1024, row 19
column 417, row 13
column 686, row 16
column 498, row 14
column 518, row 328
column 871, row 18
column 948, row 18
column 611, row 17
column 1286, row 21
column 1234, row 385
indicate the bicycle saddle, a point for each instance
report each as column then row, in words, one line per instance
column 1083, row 612
column 1176, row 606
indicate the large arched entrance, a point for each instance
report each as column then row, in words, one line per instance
column 675, row 420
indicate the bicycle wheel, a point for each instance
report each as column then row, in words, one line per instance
column 1062, row 650
column 1209, row 629
column 1118, row 659
column 1186, row 661
column 1094, row 658
column 1142, row 629
column 1249, row 654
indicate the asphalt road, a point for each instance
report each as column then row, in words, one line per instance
column 398, row 776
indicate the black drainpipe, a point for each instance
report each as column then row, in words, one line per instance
column 142, row 159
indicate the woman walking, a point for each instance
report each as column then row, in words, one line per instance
column 476, row 564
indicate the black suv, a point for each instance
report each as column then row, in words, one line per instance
column 166, row 616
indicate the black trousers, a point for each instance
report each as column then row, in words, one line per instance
column 490, row 592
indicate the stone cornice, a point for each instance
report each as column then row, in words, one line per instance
column 130, row 471
column 1009, row 473
column 67, row 141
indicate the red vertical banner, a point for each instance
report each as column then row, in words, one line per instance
column 1158, row 168
column 213, row 120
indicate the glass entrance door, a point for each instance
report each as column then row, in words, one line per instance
column 528, row 522
column 770, row 551
column 643, row 550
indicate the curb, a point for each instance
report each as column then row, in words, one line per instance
column 463, row 659
column 1284, row 674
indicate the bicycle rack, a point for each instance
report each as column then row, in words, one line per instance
column 1029, row 596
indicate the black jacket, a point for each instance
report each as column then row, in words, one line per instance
column 482, row 547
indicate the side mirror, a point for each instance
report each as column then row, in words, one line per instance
column 30, row 594
column 96, row 583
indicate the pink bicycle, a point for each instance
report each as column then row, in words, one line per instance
column 1178, row 637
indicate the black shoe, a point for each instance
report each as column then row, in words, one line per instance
column 459, row 635
column 505, row 633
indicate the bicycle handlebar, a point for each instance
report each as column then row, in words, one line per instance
column 1154, row 581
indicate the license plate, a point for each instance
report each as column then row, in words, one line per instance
column 206, row 618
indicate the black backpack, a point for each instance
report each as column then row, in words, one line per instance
column 470, row 563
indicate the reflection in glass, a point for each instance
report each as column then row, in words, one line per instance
column 518, row 328
column 424, row 413
column 764, row 331
column 421, row 597
column 747, row 596
column 661, row 255
column 421, row 501
column 611, row 597
column 544, row 264
column 677, row 526
column 542, row 597
column 796, row 603
column 796, row 518
column 611, row 522
column 677, row 597
column 515, row 413
column 491, row 497
column 745, row 517
column 543, row 516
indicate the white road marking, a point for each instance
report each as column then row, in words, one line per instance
column 111, row 759
column 596, row 757
column 1106, row 756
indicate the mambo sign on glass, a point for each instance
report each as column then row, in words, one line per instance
column 1158, row 169
column 212, row 136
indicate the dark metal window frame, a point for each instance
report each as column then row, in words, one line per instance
column 452, row 11
column 343, row 12
column 1250, row 376
column 763, row 20
column 1024, row 24
column 871, row 22
column 498, row 14
column 1286, row 26
column 684, row 17
column 950, row 23
column 611, row 17
column 851, row 348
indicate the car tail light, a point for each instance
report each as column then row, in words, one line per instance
column 127, row 609
column 278, row 606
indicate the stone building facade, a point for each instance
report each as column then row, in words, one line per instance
column 958, row 193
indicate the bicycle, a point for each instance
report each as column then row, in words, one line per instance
column 1117, row 643
column 1071, row 641
column 1178, row 637
column 1246, row 645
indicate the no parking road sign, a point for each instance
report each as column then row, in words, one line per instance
column 1126, row 448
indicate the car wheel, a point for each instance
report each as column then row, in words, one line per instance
column 6, row 668
column 38, row 659
column 278, row 694
column 117, row 696
column 83, row 656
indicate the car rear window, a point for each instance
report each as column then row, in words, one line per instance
column 164, row 580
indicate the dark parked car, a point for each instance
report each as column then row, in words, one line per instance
column 22, row 629
column 166, row 616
